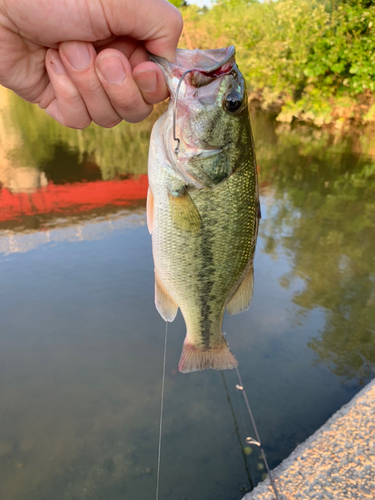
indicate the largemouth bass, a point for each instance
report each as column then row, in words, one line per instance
column 203, row 203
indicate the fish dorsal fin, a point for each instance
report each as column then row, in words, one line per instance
column 184, row 212
column 163, row 302
column 242, row 298
column 150, row 210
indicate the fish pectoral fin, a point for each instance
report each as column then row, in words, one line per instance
column 163, row 302
column 150, row 210
column 194, row 359
column 242, row 297
column 183, row 211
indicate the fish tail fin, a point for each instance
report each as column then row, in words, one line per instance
column 194, row 359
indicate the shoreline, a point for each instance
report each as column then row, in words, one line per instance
column 337, row 462
column 341, row 114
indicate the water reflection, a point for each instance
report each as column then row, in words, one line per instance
column 49, row 174
column 23, row 180
column 32, row 139
column 81, row 342
column 323, row 218
column 55, row 205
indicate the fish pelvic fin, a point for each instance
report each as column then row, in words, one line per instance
column 242, row 298
column 194, row 359
column 166, row 307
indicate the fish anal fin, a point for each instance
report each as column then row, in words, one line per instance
column 243, row 295
column 150, row 210
column 184, row 212
column 194, row 359
column 163, row 302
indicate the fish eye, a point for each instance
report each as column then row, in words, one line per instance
column 233, row 101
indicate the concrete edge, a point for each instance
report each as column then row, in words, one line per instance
column 262, row 487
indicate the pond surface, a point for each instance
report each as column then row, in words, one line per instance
column 81, row 344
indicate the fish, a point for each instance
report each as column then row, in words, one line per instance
column 203, row 202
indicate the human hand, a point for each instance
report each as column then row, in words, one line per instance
column 86, row 61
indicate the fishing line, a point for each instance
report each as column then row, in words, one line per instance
column 175, row 138
column 241, row 408
column 240, row 405
column 237, row 430
column 161, row 412
column 250, row 440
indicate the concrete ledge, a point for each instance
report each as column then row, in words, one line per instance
column 337, row 462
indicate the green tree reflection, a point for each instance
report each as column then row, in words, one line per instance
column 119, row 151
column 323, row 218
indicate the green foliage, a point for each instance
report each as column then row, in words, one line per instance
column 314, row 53
column 361, row 3
column 343, row 60
column 178, row 3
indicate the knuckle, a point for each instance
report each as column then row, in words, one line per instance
column 91, row 88
column 177, row 23
column 71, row 95
column 132, row 102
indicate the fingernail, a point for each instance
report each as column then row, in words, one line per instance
column 78, row 54
column 56, row 63
column 147, row 80
column 112, row 69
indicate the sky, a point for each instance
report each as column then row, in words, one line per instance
column 201, row 3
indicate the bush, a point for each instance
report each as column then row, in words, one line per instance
column 318, row 55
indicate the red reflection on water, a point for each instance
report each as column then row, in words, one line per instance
column 72, row 198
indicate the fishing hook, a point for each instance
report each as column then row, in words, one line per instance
column 175, row 138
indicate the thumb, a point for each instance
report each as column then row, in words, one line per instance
column 156, row 22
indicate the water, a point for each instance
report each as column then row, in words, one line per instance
column 81, row 344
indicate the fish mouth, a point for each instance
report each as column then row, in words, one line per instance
column 204, row 65
column 188, row 152
column 206, row 61
column 180, row 163
column 206, row 152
